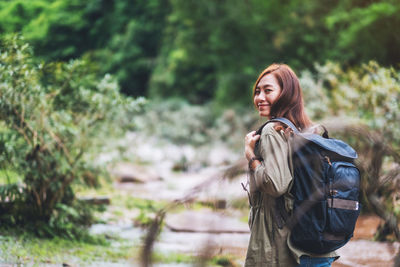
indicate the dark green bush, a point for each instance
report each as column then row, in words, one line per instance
column 52, row 117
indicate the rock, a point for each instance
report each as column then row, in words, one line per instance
column 205, row 222
column 130, row 173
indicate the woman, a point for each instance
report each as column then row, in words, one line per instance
column 276, row 93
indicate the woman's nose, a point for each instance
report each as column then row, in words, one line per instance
column 261, row 96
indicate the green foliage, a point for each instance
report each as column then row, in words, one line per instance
column 370, row 93
column 177, row 121
column 147, row 209
column 15, row 15
column 224, row 261
column 53, row 116
column 205, row 50
column 366, row 31
column 123, row 36
column 40, row 19
column 172, row 258
column 215, row 50
column 26, row 249
column 134, row 41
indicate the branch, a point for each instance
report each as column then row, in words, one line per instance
column 390, row 219
column 390, row 176
column 61, row 144
column 23, row 134
column 24, row 123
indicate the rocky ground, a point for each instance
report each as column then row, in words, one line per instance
column 206, row 209
column 218, row 224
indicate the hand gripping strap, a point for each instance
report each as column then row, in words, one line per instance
column 295, row 130
column 282, row 120
column 287, row 122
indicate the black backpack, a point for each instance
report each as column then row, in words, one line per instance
column 325, row 187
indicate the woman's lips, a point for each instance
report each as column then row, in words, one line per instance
column 261, row 106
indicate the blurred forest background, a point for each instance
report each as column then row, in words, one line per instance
column 76, row 77
column 159, row 48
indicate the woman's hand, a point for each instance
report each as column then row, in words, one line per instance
column 249, row 144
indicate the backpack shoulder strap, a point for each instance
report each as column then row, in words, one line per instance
column 282, row 120
column 287, row 123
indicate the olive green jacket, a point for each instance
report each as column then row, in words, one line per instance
column 269, row 245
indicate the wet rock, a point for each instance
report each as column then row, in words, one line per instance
column 130, row 173
column 205, row 222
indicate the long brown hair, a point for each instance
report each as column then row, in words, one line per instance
column 290, row 103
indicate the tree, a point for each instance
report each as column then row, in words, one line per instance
column 51, row 116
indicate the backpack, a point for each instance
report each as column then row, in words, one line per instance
column 325, row 187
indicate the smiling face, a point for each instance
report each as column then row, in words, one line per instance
column 266, row 94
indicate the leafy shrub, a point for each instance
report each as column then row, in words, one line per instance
column 53, row 116
column 179, row 122
column 369, row 93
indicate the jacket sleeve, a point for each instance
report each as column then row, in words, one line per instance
column 273, row 175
